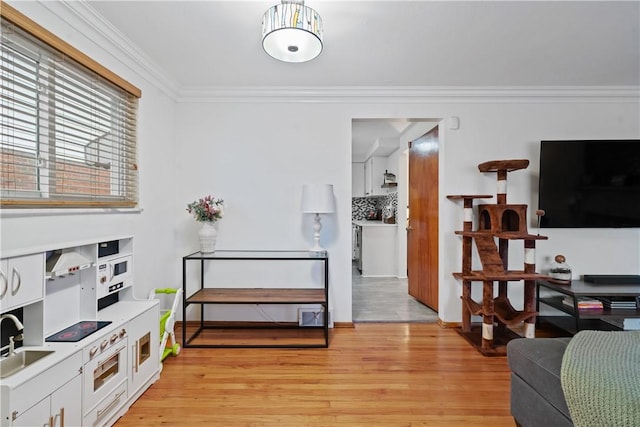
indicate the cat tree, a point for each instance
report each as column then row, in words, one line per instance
column 502, row 222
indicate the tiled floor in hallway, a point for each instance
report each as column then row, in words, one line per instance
column 386, row 299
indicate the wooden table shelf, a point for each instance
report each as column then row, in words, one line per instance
column 258, row 296
column 207, row 334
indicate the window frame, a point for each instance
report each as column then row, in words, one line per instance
column 121, row 199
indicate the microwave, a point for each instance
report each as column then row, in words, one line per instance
column 113, row 275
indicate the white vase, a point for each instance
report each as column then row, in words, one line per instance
column 208, row 235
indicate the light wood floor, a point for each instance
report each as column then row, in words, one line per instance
column 376, row 374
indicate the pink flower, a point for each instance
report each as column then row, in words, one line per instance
column 207, row 209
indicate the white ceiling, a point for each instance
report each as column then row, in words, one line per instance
column 217, row 44
column 379, row 137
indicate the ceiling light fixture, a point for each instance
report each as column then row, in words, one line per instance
column 292, row 32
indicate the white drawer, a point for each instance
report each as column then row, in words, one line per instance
column 104, row 410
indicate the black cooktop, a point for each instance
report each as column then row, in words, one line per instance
column 78, row 331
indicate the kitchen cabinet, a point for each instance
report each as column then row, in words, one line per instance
column 60, row 409
column 38, row 415
column 62, row 291
column 144, row 346
column 374, row 169
column 355, row 242
column 377, row 242
column 53, row 395
column 66, row 401
column 21, row 281
column 357, row 179
column 359, row 247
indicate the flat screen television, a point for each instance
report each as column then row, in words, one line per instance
column 590, row 183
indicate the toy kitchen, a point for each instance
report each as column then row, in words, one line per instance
column 78, row 347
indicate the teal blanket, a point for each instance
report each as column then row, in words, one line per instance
column 600, row 377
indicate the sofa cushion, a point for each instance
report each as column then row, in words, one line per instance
column 531, row 409
column 538, row 361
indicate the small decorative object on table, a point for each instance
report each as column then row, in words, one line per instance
column 560, row 271
column 207, row 210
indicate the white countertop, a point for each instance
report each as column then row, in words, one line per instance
column 368, row 223
column 118, row 314
column 61, row 351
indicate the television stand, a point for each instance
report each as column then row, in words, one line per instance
column 571, row 318
column 612, row 279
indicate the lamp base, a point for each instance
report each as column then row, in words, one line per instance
column 317, row 226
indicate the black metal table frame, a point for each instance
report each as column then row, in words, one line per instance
column 578, row 288
column 264, row 255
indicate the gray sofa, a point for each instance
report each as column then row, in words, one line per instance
column 536, row 392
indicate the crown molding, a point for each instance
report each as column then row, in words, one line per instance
column 413, row 94
column 122, row 48
column 80, row 14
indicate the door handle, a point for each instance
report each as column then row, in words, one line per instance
column 136, row 357
column 5, row 284
column 15, row 289
column 107, row 408
column 60, row 417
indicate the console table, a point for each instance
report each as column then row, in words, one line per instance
column 579, row 319
column 303, row 336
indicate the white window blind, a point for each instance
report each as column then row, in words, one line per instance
column 68, row 135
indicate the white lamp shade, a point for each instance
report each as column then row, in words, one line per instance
column 292, row 32
column 318, row 198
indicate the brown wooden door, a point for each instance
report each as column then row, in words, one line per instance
column 422, row 227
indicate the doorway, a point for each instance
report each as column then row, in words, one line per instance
column 387, row 299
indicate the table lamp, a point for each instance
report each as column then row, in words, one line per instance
column 317, row 199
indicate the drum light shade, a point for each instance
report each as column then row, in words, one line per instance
column 292, row 32
column 318, row 198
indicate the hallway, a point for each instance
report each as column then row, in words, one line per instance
column 385, row 299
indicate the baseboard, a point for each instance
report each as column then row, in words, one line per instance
column 343, row 325
column 444, row 324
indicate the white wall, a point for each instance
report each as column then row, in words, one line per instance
column 512, row 131
column 257, row 157
column 257, row 152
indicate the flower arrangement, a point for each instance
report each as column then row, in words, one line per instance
column 207, row 209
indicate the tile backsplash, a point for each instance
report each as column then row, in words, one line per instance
column 360, row 206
